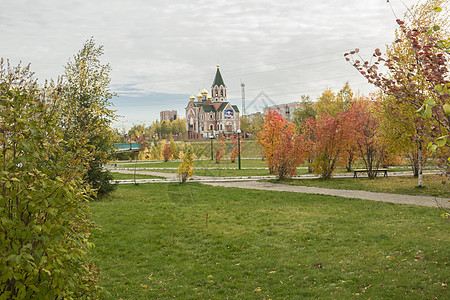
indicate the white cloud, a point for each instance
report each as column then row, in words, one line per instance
column 173, row 46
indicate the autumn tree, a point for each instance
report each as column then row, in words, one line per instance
column 305, row 111
column 220, row 151
column 178, row 127
column 345, row 97
column 308, row 131
column 289, row 154
column 87, row 115
column 244, row 124
column 370, row 144
column 271, row 136
column 350, row 152
column 174, row 149
column 166, row 151
column 236, row 145
column 44, row 217
column 415, row 73
column 136, row 132
column 252, row 126
column 326, row 138
column 186, row 168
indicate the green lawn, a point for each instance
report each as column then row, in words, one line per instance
column 224, row 163
column 120, row 176
column 191, row 241
column 397, row 185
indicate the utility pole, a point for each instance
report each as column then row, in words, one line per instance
column 243, row 97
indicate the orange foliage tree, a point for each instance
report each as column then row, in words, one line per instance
column 220, row 151
column 370, row 144
column 270, row 136
column 167, row 152
column 288, row 155
column 280, row 148
column 327, row 138
column 235, row 152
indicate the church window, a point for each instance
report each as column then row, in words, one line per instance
column 211, row 127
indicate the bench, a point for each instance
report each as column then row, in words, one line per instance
column 356, row 171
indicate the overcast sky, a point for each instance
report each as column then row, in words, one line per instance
column 161, row 52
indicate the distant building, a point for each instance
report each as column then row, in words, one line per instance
column 169, row 115
column 252, row 116
column 211, row 114
column 286, row 110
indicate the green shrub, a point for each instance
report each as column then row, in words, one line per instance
column 44, row 224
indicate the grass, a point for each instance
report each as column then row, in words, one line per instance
column 207, row 163
column 191, row 241
column 120, row 176
column 396, row 185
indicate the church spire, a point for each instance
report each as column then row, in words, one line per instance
column 218, row 79
column 218, row 88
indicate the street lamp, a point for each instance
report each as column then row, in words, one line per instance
column 239, row 147
column 211, row 137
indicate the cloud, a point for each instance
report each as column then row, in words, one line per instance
column 285, row 48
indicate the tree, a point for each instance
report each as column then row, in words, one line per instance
column 257, row 124
column 369, row 141
column 350, row 151
column 186, row 167
column 419, row 77
column 87, row 113
column 305, row 111
column 136, row 132
column 271, row 136
column 174, row 149
column 236, row 147
column 166, row 152
column 220, row 151
column 245, row 124
column 345, row 96
column 289, row 155
column 328, row 143
column 44, row 224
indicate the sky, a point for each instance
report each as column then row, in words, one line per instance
column 161, row 52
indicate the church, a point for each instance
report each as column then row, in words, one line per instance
column 212, row 114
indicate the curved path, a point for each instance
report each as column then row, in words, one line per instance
column 252, row 183
column 365, row 195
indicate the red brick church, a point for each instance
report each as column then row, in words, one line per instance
column 211, row 114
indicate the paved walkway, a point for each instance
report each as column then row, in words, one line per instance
column 383, row 197
column 252, row 183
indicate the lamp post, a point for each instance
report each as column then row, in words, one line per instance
column 211, row 137
column 239, row 148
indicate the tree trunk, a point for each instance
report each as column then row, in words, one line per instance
column 310, row 169
column 348, row 166
column 419, row 163
column 415, row 163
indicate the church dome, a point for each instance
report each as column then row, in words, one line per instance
column 204, row 92
column 192, row 97
column 199, row 96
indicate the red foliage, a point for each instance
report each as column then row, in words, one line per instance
column 366, row 135
column 281, row 149
column 167, row 152
column 220, row 151
column 271, row 136
column 325, row 140
column 288, row 155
